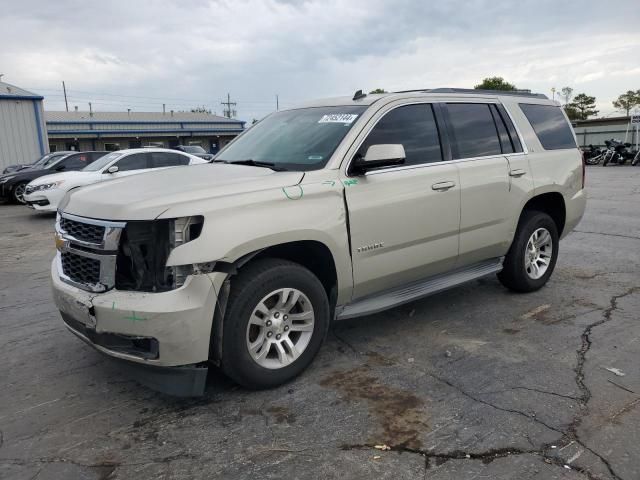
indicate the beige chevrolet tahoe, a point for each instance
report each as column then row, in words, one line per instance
column 335, row 209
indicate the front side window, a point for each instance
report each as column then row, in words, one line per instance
column 136, row 161
column 550, row 125
column 412, row 126
column 302, row 139
column 474, row 131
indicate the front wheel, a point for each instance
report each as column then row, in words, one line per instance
column 276, row 320
column 18, row 193
column 533, row 253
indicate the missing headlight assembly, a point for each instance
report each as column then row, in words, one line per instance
column 144, row 249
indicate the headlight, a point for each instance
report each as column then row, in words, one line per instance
column 7, row 178
column 144, row 249
column 185, row 229
column 45, row 186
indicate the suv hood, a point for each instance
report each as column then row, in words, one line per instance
column 145, row 196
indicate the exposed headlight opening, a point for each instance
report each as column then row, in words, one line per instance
column 145, row 246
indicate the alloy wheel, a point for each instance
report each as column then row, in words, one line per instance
column 537, row 255
column 280, row 328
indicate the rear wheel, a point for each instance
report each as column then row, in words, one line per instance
column 18, row 193
column 533, row 254
column 276, row 320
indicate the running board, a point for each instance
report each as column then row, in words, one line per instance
column 422, row 288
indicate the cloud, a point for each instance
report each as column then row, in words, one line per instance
column 122, row 54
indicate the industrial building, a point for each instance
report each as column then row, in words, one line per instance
column 81, row 130
column 596, row 131
column 23, row 136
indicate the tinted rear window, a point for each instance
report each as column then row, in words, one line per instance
column 474, row 131
column 550, row 126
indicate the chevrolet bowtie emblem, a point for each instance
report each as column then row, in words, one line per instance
column 60, row 242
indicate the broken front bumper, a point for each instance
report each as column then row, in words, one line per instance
column 168, row 329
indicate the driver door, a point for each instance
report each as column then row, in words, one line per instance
column 404, row 221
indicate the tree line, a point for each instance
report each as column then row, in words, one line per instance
column 578, row 107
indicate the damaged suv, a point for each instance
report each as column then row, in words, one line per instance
column 336, row 209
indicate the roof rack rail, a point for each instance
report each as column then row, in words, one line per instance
column 518, row 93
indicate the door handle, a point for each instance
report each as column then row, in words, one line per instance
column 443, row 186
column 517, row 172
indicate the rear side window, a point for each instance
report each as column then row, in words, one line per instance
column 550, row 126
column 136, row 161
column 164, row 159
column 474, row 131
column 77, row 161
column 413, row 126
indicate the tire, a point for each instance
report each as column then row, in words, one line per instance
column 251, row 316
column 18, row 193
column 606, row 160
column 515, row 274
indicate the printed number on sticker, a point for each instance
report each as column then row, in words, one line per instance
column 338, row 118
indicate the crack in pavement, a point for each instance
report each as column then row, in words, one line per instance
column 570, row 435
column 546, row 392
column 608, row 234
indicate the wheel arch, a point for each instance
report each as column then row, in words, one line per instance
column 311, row 254
column 551, row 203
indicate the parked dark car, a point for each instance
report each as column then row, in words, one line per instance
column 196, row 150
column 12, row 185
column 41, row 162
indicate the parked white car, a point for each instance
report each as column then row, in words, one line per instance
column 45, row 193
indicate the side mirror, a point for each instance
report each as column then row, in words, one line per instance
column 112, row 169
column 378, row 156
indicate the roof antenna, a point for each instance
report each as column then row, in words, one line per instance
column 358, row 95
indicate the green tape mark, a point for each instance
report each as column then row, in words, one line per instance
column 134, row 318
column 352, row 181
column 284, row 190
column 113, row 306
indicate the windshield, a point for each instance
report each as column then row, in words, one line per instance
column 102, row 162
column 193, row 149
column 301, row 139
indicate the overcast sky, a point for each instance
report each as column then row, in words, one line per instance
column 140, row 54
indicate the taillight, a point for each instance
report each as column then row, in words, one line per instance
column 584, row 168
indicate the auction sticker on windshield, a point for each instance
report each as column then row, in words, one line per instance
column 338, row 118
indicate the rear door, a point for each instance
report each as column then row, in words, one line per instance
column 403, row 220
column 480, row 143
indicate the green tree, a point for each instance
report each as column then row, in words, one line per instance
column 566, row 93
column 378, row 90
column 202, row 109
column 495, row 83
column 584, row 106
column 627, row 101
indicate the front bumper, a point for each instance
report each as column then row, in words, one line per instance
column 45, row 200
column 168, row 332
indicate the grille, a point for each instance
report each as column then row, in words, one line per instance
column 83, row 231
column 80, row 269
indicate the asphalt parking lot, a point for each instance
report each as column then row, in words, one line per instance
column 473, row 383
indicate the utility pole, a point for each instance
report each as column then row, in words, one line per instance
column 277, row 103
column 227, row 111
column 90, row 110
column 64, row 89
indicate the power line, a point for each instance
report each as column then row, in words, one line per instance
column 228, row 112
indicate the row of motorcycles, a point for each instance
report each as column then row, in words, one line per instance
column 615, row 152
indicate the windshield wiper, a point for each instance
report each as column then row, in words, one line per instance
column 256, row 163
